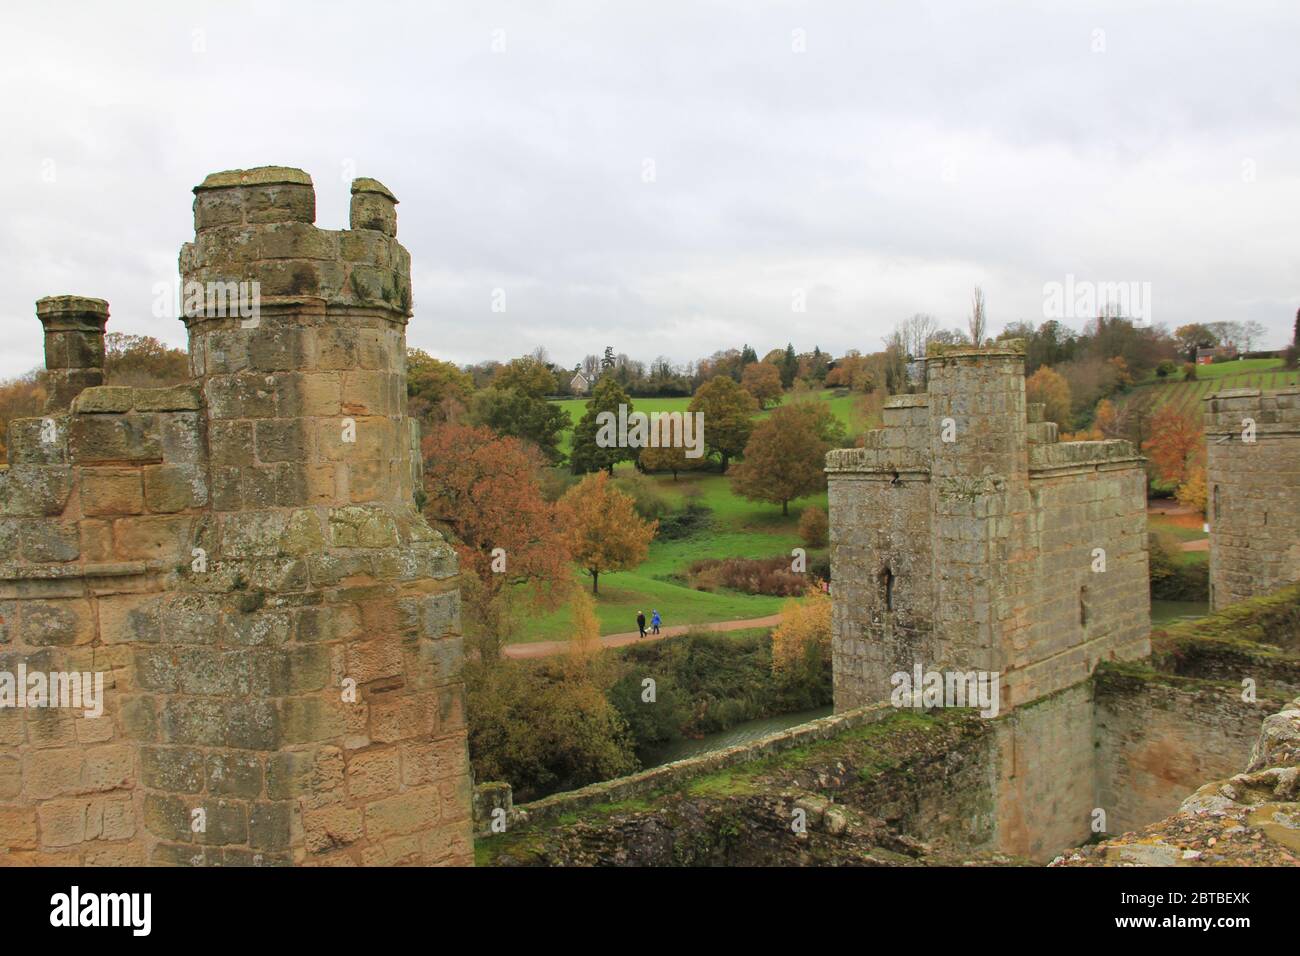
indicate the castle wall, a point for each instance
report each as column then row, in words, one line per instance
column 1045, row 785
column 1084, row 595
column 1019, row 556
column 963, row 537
column 1253, row 492
column 242, row 559
column 1159, row 740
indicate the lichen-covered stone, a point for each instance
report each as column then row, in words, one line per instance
column 231, row 554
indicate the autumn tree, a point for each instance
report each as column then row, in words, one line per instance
column 1174, row 443
column 763, row 381
column 22, row 397
column 584, row 633
column 483, row 489
column 728, row 417
column 431, row 382
column 814, row 526
column 529, row 375
column 785, row 456
column 589, row 452
column 802, row 641
column 1107, row 419
column 668, row 457
column 604, row 531
column 143, row 361
column 853, row 371
column 1192, row 492
column 1049, row 387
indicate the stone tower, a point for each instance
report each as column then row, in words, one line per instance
column 964, row 537
column 1253, row 491
column 241, row 558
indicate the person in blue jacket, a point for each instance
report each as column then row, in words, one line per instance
column 655, row 621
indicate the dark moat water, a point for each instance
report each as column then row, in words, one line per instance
column 740, row 734
column 1163, row 612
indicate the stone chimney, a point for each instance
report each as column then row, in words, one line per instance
column 74, row 346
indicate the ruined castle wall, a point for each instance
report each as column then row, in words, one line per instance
column 1084, row 597
column 1037, row 571
column 243, row 558
column 1046, row 788
column 1253, row 492
column 1160, row 738
column 987, row 529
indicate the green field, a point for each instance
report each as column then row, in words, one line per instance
column 739, row 528
column 841, row 407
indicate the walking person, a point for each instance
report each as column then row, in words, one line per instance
column 655, row 621
column 640, row 622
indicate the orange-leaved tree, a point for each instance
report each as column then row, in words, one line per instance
column 1192, row 492
column 1050, row 388
column 604, row 531
column 484, row 489
column 763, row 381
column 803, row 638
column 1107, row 420
column 786, row 454
column 1175, row 444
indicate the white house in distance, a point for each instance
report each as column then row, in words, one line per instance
column 580, row 384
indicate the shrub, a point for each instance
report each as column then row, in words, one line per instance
column 770, row 576
column 707, row 682
column 1166, row 368
column 813, row 527
column 543, row 726
column 1189, row 371
column 692, row 519
column 801, row 643
column 650, row 503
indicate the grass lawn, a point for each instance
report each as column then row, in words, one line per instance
column 739, row 528
column 1181, row 527
column 1218, row 371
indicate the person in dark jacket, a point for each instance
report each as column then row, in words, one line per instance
column 640, row 622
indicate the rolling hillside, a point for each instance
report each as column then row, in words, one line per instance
column 1155, row 393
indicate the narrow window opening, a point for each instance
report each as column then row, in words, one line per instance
column 1216, row 502
column 1083, row 606
column 887, row 583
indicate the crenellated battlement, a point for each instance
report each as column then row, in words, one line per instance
column 963, row 535
column 257, row 225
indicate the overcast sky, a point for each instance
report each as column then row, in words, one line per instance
column 877, row 159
